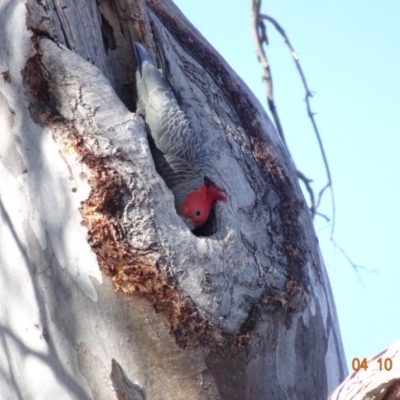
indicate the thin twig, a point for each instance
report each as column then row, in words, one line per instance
column 325, row 217
column 260, row 36
column 310, row 113
column 259, row 32
column 306, row 181
column 355, row 266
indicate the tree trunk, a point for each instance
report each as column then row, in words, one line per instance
column 108, row 294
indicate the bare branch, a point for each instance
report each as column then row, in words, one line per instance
column 307, row 183
column 355, row 266
column 259, row 31
column 325, row 217
column 260, row 36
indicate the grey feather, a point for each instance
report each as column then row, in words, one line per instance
column 177, row 151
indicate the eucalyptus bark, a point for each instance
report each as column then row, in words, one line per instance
column 108, row 293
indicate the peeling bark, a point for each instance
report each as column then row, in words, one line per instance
column 243, row 313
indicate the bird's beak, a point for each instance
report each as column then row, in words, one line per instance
column 189, row 223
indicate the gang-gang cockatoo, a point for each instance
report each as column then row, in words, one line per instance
column 177, row 151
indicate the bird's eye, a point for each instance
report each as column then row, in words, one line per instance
column 198, row 213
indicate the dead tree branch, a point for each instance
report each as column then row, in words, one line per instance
column 261, row 39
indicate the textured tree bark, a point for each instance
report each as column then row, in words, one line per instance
column 240, row 310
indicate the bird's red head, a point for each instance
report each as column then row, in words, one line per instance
column 199, row 204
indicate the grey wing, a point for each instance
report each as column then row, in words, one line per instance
column 167, row 123
column 172, row 132
column 180, row 157
column 180, row 176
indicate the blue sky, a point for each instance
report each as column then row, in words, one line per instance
column 350, row 54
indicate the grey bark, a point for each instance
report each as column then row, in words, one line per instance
column 245, row 312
